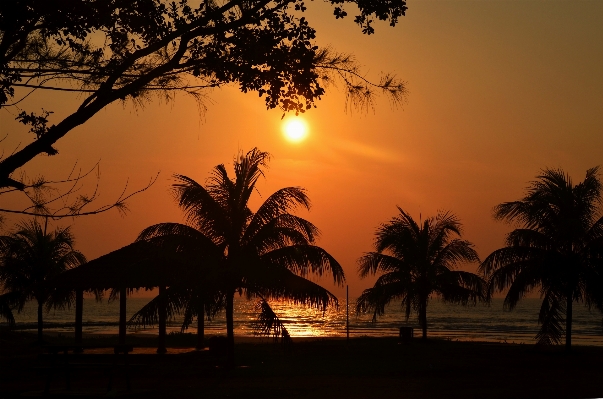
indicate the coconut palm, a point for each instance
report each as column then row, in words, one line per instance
column 264, row 254
column 29, row 258
column 556, row 249
column 416, row 261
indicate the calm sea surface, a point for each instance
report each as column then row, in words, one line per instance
column 455, row 322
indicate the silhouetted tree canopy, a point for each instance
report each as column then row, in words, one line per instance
column 29, row 258
column 110, row 50
column 266, row 254
column 417, row 260
column 557, row 249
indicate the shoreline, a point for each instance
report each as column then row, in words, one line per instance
column 319, row 367
column 181, row 340
column 511, row 337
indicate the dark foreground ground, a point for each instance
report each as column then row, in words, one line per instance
column 328, row 368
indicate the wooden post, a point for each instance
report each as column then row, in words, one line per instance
column 79, row 305
column 162, row 320
column 122, row 316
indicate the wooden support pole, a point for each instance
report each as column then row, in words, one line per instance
column 79, row 309
column 161, row 348
column 122, row 316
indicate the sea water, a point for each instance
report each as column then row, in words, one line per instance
column 489, row 323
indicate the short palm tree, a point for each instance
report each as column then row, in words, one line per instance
column 266, row 254
column 557, row 249
column 416, row 261
column 30, row 258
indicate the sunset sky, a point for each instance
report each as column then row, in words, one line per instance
column 497, row 91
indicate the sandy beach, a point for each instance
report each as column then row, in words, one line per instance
column 320, row 368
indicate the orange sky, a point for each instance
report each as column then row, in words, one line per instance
column 497, row 91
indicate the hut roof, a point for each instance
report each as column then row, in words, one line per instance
column 138, row 265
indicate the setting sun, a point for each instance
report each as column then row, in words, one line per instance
column 295, row 129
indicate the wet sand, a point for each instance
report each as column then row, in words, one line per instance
column 321, row 368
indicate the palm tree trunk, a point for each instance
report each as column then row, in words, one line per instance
column 40, row 322
column 200, row 324
column 568, row 322
column 230, row 327
column 423, row 319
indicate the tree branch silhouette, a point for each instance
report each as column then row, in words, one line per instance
column 122, row 50
column 37, row 192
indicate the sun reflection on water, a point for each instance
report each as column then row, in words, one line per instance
column 299, row 321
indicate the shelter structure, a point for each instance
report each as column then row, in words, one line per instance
column 135, row 266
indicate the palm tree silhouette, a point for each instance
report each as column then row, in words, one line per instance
column 417, row 261
column 31, row 257
column 558, row 249
column 266, row 254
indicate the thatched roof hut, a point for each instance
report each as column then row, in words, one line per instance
column 138, row 265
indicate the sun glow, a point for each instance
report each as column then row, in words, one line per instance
column 295, row 129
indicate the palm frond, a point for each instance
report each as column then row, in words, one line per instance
column 282, row 231
column 10, row 301
column 510, row 259
column 373, row 262
column 594, row 234
column 550, row 319
column 376, row 298
column 461, row 287
column 528, row 238
column 202, row 304
column 593, row 281
column 174, row 301
column 268, row 323
column 283, row 284
column 438, row 231
column 398, row 235
column 60, row 299
column 453, row 252
column 279, row 203
column 202, row 210
column 305, row 259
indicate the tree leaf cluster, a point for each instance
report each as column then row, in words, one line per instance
column 555, row 249
column 117, row 50
column 227, row 248
column 416, row 261
column 30, row 258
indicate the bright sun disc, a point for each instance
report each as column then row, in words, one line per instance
column 295, row 129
